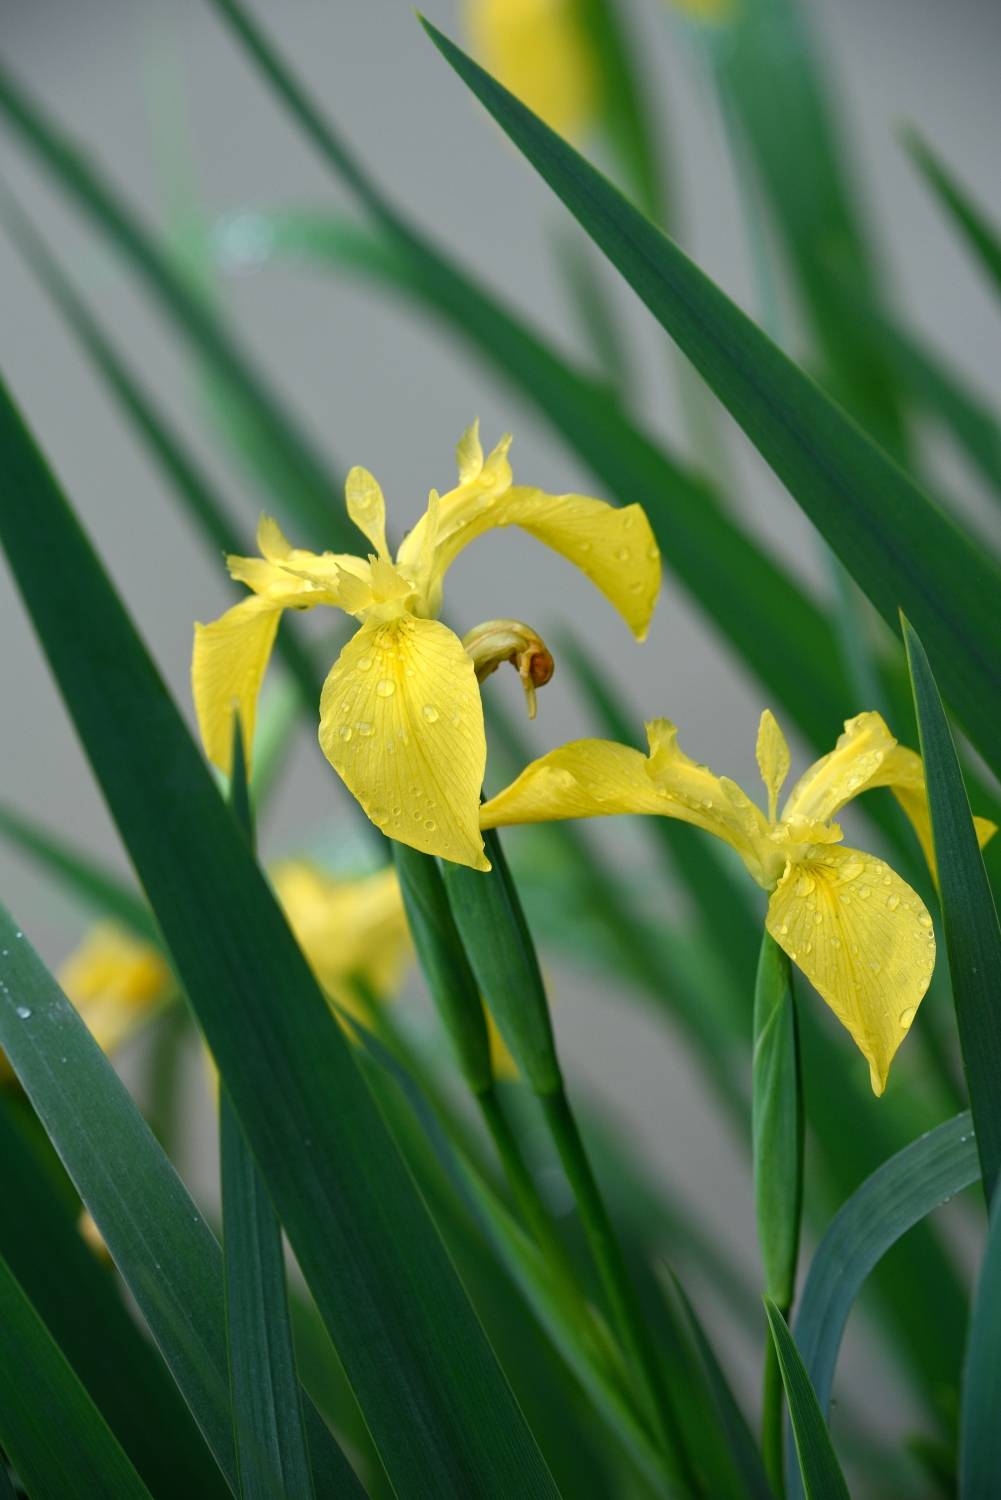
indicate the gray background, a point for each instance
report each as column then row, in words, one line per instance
column 379, row 386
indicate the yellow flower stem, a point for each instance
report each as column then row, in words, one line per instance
column 777, row 1148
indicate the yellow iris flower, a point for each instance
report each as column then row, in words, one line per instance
column 541, row 51
column 401, row 719
column 861, row 936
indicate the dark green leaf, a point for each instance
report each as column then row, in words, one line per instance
column 969, row 915
column 818, row 1464
column 901, row 550
column 897, row 1196
column 271, row 1450
column 443, row 1417
column 777, row 1123
column 980, row 1431
column 77, row 1298
column 981, row 236
column 626, row 107
column 55, row 1435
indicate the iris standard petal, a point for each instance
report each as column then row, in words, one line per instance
column 847, row 771
column 864, row 940
column 773, row 757
column 401, row 722
column 904, row 773
column 541, row 51
column 227, row 667
column 367, row 507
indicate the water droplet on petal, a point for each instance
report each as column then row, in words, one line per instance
column 925, row 919
column 623, row 554
column 365, row 729
column 430, row 712
column 364, row 663
column 345, row 731
column 430, row 824
column 893, row 901
column 907, row 1016
column 385, row 688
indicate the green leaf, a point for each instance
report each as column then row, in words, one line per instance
column 99, row 888
column 294, row 465
column 898, row 1195
column 442, row 1415
column 271, row 1448
column 979, row 1430
column 969, row 915
column 77, row 1298
column 901, row 550
column 625, row 107
column 980, row 235
column 55, row 1435
column 818, row 1464
column 777, row 1123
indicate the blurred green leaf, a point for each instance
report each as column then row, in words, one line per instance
column 444, row 1421
column 771, row 75
column 979, row 234
column 818, row 1464
column 294, row 465
column 897, row 1196
column 980, row 1431
column 77, row 1297
column 969, row 915
column 99, row 888
column 901, row 550
column 626, row 108
column 75, row 1456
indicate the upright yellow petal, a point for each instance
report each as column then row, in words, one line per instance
column 864, row 940
column 367, row 507
column 847, row 771
column 541, row 51
column 469, row 453
column 774, row 759
column 227, row 668
column 402, row 723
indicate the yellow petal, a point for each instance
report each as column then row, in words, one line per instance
column 774, row 759
column 541, row 51
column 598, row 778
column 367, row 507
column 401, row 721
column 116, row 982
column 469, row 454
column 864, row 940
column 846, row 772
column 227, row 669
column 348, row 929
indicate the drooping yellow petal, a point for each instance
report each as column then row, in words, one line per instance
column 599, row 778
column 613, row 546
column 469, row 453
column 367, row 507
column 348, row 929
column 227, row 668
column 402, row 723
column 774, row 759
column 540, row 50
column 864, row 940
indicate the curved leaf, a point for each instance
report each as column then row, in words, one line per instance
column 900, row 549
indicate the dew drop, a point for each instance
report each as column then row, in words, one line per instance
column 345, row 731
column 584, row 547
column 852, row 870
column 379, row 816
column 364, row 663
column 653, row 553
column 893, row 902
column 430, row 712
column 817, row 919
column 23, row 1013
column 430, row 824
column 385, row 688
column 365, row 729
column 864, row 891
column 925, row 919
column 907, row 1016
column 623, row 554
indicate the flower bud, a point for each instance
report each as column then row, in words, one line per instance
column 498, row 641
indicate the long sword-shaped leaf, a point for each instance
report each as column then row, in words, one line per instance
column 166, row 1254
column 271, row 1446
column 295, row 467
column 897, row 1196
column 818, row 1464
column 980, row 1431
column 981, row 236
column 77, row 1298
column 969, row 915
column 900, row 549
column 74, row 1457
column 442, row 1414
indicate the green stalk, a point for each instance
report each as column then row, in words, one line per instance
column 777, row 1148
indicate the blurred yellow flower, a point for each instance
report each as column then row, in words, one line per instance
column 861, row 936
column 401, row 719
column 541, row 51
column 710, row 12
column 353, row 933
